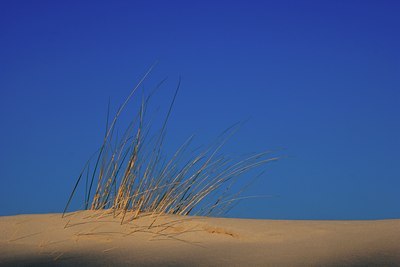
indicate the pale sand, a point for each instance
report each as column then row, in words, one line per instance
column 83, row 239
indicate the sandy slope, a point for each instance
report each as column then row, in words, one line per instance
column 89, row 238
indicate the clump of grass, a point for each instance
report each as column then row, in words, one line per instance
column 131, row 176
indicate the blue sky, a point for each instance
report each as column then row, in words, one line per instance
column 319, row 81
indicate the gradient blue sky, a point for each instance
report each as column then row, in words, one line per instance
column 320, row 81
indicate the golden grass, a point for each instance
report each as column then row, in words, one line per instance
column 131, row 175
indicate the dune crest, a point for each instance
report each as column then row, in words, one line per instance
column 94, row 238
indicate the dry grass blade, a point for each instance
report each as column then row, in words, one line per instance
column 133, row 175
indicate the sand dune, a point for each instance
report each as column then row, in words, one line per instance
column 88, row 238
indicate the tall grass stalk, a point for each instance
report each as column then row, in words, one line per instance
column 132, row 176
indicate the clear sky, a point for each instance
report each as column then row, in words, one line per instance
column 319, row 80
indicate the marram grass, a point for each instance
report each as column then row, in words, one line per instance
column 130, row 175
